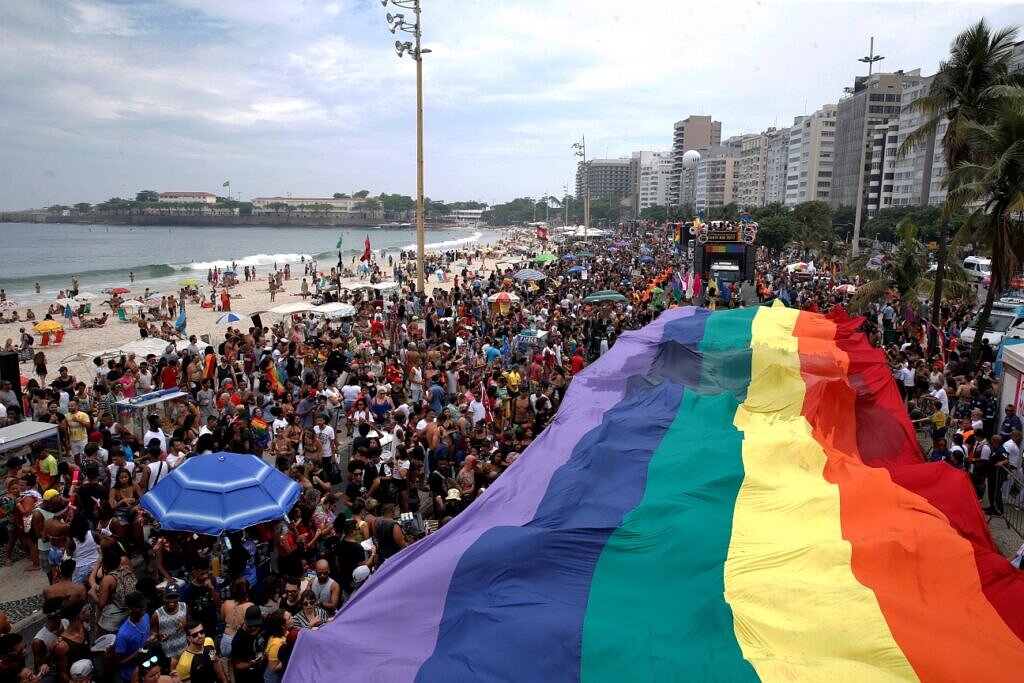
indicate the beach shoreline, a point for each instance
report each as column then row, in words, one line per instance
column 80, row 346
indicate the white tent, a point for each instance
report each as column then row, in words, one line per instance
column 580, row 231
column 385, row 286
column 335, row 309
column 287, row 309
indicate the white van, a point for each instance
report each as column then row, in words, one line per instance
column 978, row 268
column 1006, row 320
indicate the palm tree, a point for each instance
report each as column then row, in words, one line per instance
column 997, row 182
column 966, row 88
column 905, row 272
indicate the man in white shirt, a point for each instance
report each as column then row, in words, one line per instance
column 477, row 410
column 939, row 394
column 906, row 377
column 209, row 426
column 1013, row 457
column 350, row 392
column 325, row 433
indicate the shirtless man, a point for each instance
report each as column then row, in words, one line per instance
column 63, row 587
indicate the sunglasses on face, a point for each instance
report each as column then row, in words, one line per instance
column 197, row 633
column 151, row 662
column 309, row 603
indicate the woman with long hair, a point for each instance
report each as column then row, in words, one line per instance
column 232, row 613
column 276, row 626
column 39, row 361
column 84, row 548
column 124, row 501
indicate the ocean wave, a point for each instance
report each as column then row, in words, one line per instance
column 475, row 237
column 251, row 260
column 152, row 270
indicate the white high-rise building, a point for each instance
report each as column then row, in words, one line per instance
column 716, row 176
column 775, row 167
column 752, row 169
column 653, row 179
column 918, row 175
column 810, row 157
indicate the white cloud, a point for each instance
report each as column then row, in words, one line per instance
column 312, row 92
column 100, row 19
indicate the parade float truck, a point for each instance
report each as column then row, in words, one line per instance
column 724, row 249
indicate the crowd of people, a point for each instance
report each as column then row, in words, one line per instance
column 392, row 422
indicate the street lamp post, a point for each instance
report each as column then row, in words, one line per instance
column 581, row 151
column 870, row 60
column 565, row 205
column 397, row 22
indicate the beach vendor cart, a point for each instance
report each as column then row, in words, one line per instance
column 218, row 494
column 133, row 411
column 21, row 435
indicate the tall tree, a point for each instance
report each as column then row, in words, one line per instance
column 966, row 88
column 997, row 183
column 904, row 271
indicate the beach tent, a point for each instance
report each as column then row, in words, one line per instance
column 288, row 309
column 334, row 310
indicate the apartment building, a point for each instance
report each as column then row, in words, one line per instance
column 809, row 157
column 864, row 116
column 694, row 132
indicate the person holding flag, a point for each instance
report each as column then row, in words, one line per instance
column 180, row 324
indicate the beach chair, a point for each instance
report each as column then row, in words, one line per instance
column 44, row 339
column 59, row 338
column 122, row 316
column 76, row 323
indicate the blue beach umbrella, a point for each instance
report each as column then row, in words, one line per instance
column 219, row 493
column 575, row 269
column 228, row 318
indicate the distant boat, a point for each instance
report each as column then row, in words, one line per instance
column 395, row 226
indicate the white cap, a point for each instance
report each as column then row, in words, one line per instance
column 360, row 574
column 83, row 667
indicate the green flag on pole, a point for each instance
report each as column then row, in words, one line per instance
column 341, row 237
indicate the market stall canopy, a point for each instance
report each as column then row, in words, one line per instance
column 24, row 433
column 220, row 493
column 385, row 286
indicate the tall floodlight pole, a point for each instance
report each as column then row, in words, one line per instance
column 581, row 151
column 870, row 60
column 397, row 22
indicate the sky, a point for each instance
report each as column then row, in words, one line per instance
column 103, row 99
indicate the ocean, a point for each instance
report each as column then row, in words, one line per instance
column 103, row 255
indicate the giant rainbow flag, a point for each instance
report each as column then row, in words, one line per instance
column 728, row 496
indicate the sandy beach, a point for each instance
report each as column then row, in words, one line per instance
column 79, row 346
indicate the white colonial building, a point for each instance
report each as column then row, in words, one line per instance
column 188, row 197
